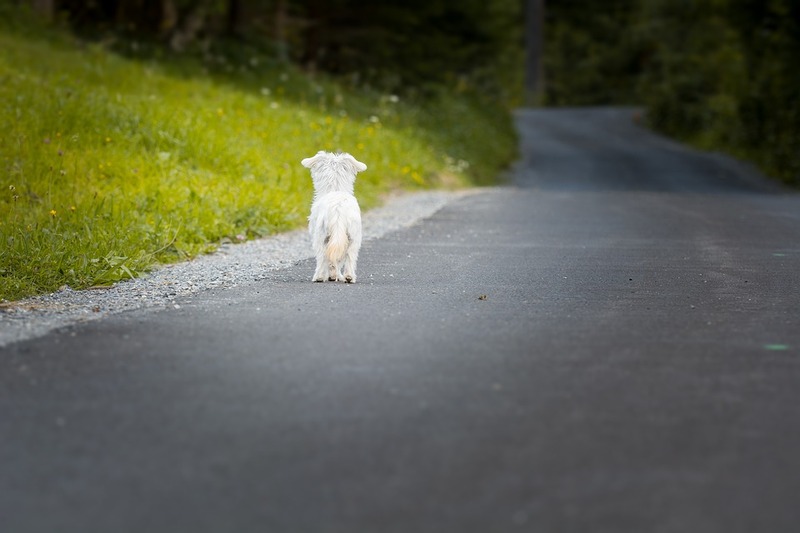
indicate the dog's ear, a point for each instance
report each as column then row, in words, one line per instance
column 309, row 162
column 357, row 165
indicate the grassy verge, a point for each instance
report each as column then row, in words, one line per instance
column 112, row 165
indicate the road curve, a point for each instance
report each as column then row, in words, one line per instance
column 611, row 343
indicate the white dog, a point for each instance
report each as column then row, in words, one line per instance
column 335, row 220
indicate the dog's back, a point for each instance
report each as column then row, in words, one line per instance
column 335, row 219
column 335, row 224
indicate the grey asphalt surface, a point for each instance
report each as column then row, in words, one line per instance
column 610, row 344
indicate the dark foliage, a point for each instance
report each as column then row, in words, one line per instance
column 409, row 46
column 719, row 73
column 591, row 55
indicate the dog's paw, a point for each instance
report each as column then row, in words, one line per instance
column 317, row 280
column 350, row 279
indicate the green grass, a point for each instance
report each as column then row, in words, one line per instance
column 113, row 164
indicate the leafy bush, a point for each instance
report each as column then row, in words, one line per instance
column 591, row 56
column 723, row 76
column 720, row 74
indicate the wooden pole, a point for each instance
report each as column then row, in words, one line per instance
column 534, row 49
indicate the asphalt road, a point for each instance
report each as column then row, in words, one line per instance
column 611, row 344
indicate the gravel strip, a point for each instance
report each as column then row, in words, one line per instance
column 230, row 266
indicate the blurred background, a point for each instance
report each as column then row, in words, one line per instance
column 139, row 132
column 389, row 44
column 722, row 74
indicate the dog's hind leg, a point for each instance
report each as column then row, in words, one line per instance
column 335, row 248
column 319, row 273
column 333, row 272
column 350, row 265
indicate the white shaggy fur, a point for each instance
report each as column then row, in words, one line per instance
column 335, row 220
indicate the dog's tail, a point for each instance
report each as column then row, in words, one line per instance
column 337, row 242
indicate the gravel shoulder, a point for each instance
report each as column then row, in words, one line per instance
column 231, row 265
